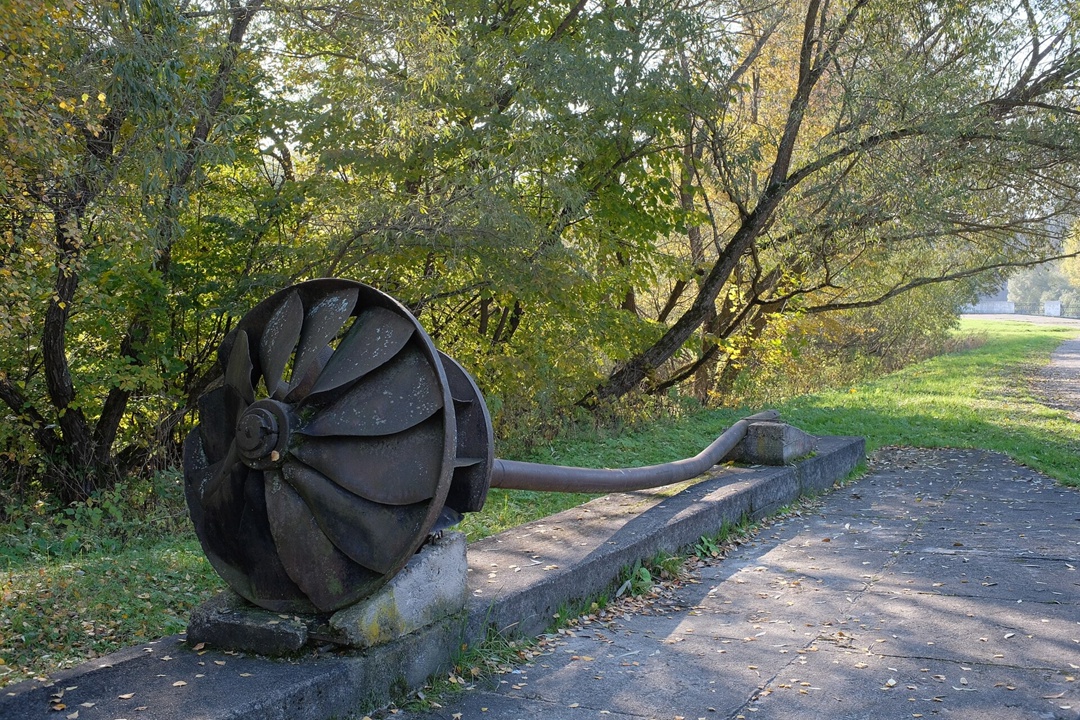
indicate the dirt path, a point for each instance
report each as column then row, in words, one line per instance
column 1059, row 382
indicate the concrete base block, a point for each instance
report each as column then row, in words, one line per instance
column 773, row 443
column 230, row 622
column 430, row 587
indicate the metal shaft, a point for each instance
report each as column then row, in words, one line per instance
column 514, row 475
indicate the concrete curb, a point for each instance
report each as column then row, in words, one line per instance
column 517, row 581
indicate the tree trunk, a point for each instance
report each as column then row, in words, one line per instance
column 68, row 479
column 812, row 62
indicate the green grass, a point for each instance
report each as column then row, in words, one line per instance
column 59, row 611
column 97, row 578
column 977, row 398
column 121, row 569
column 981, row 398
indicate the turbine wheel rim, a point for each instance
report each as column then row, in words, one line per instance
column 288, row 422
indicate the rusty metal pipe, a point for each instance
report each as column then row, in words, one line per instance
column 514, row 475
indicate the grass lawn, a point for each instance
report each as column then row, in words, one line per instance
column 64, row 602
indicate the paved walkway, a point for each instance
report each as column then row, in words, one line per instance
column 943, row 584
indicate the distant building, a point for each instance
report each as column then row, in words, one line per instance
column 993, row 303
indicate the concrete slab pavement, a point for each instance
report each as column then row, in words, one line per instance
column 946, row 583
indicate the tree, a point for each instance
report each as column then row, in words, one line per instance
column 126, row 98
column 917, row 143
column 505, row 170
column 578, row 199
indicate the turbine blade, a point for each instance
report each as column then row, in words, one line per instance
column 217, row 421
column 300, row 389
column 278, row 340
column 379, row 537
column 399, row 469
column 376, row 335
column 322, row 321
column 326, row 575
column 393, row 398
column 238, row 371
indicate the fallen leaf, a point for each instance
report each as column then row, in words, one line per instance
column 126, row 696
column 891, row 682
column 179, row 683
column 199, row 647
column 1054, row 697
column 73, row 716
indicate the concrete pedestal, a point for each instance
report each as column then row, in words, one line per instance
column 431, row 587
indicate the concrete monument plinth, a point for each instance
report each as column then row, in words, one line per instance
column 772, row 443
column 431, row 587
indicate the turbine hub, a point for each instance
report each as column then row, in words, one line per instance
column 262, row 434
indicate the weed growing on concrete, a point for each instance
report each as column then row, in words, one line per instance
column 497, row 655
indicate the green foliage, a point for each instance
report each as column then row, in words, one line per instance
column 1052, row 281
column 548, row 186
column 638, row 579
column 109, row 521
column 801, row 354
column 59, row 612
column 708, row 547
column 78, row 582
column 641, row 577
